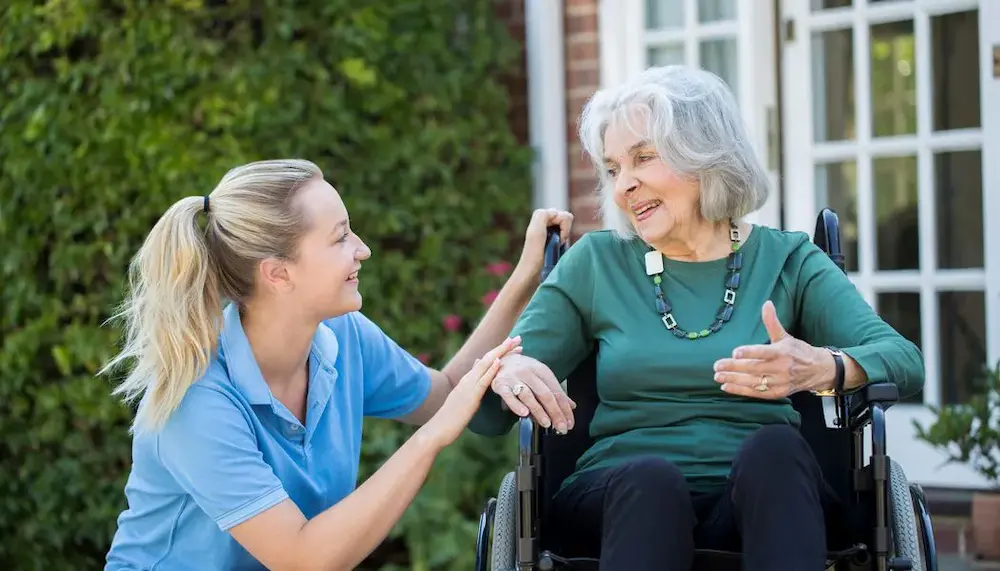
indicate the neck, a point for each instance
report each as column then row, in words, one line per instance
column 280, row 342
column 696, row 241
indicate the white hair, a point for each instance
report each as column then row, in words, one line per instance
column 691, row 117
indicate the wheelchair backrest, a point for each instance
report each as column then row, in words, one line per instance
column 833, row 447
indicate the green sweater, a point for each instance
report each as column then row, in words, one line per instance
column 657, row 393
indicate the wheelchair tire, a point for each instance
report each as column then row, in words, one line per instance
column 905, row 531
column 503, row 551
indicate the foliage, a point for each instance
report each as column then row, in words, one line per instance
column 969, row 433
column 114, row 109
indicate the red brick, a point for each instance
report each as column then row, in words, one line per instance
column 581, row 77
column 586, row 22
column 586, row 49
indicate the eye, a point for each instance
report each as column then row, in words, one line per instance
column 643, row 158
column 343, row 238
column 611, row 171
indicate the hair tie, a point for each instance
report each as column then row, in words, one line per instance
column 206, row 204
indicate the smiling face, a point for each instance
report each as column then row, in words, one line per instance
column 654, row 198
column 324, row 274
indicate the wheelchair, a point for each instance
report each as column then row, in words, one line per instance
column 888, row 524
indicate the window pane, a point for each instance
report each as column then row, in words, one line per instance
column 901, row 310
column 963, row 343
column 719, row 57
column 666, row 55
column 664, row 14
column 833, row 85
column 837, row 188
column 955, row 63
column 893, row 79
column 896, row 226
column 716, row 10
column 958, row 206
column 826, row 4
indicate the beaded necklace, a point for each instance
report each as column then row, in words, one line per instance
column 654, row 268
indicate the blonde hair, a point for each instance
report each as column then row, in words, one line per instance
column 691, row 117
column 185, row 270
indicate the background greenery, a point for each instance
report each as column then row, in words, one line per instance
column 112, row 110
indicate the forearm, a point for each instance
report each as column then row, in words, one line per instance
column 343, row 535
column 495, row 326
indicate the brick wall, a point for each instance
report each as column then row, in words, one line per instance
column 583, row 77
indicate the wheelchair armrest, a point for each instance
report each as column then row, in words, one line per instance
column 864, row 399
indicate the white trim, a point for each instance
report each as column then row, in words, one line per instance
column 543, row 31
column 989, row 97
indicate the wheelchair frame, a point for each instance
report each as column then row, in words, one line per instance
column 855, row 411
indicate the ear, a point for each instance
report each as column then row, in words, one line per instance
column 274, row 275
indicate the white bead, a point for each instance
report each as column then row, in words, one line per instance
column 654, row 263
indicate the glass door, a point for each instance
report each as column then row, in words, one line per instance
column 887, row 119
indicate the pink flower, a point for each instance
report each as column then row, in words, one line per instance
column 498, row 269
column 424, row 358
column 490, row 297
column 451, row 323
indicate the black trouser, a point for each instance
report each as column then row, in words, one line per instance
column 775, row 509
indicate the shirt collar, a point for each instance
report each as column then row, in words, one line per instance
column 245, row 372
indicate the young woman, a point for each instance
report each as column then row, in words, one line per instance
column 253, row 369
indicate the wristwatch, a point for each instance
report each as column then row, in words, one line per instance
column 838, row 376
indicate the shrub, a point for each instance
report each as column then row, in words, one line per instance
column 113, row 110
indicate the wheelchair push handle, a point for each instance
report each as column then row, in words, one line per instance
column 553, row 250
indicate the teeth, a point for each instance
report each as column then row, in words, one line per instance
column 649, row 206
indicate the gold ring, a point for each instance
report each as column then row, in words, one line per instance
column 762, row 387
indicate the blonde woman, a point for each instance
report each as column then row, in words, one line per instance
column 248, row 431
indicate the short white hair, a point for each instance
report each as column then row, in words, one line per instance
column 691, row 117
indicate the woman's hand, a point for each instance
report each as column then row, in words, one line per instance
column 533, row 253
column 463, row 401
column 528, row 386
column 786, row 366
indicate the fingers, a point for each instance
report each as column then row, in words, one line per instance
column 770, row 394
column 480, row 367
column 555, row 217
column 513, row 403
column 755, row 367
column 486, row 379
column 527, row 398
column 763, row 352
column 560, row 404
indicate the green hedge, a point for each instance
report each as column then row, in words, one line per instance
column 112, row 110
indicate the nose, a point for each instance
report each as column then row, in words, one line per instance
column 625, row 183
column 363, row 252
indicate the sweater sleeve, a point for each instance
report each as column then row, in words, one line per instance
column 554, row 329
column 833, row 313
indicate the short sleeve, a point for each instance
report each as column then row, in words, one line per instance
column 833, row 313
column 554, row 328
column 396, row 383
column 210, row 450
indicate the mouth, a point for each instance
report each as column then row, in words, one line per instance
column 645, row 209
column 354, row 276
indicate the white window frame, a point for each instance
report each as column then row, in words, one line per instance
column 922, row 463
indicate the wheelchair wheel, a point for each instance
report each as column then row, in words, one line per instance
column 905, row 531
column 503, row 551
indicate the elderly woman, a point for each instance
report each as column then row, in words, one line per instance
column 704, row 326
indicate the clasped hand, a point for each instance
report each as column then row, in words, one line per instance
column 786, row 366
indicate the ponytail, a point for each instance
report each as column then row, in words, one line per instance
column 179, row 278
column 172, row 315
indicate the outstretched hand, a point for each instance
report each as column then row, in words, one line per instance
column 785, row 366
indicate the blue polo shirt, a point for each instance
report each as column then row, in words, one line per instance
column 231, row 450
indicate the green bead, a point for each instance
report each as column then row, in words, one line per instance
column 736, row 246
column 657, row 280
column 704, row 333
column 692, row 335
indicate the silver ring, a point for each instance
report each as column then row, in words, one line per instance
column 516, row 389
column 762, row 387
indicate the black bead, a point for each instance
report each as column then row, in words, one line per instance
column 735, row 261
column 725, row 314
column 715, row 326
column 734, row 281
column 678, row 333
